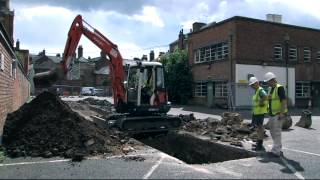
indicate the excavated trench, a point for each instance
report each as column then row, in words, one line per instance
column 193, row 150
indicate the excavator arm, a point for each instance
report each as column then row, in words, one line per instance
column 80, row 27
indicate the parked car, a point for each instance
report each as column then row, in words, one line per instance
column 87, row 91
column 98, row 92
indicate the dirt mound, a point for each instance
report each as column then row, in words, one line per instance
column 231, row 128
column 98, row 102
column 47, row 127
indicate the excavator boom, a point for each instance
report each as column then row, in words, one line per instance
column 80, row 27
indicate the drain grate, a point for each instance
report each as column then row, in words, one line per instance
column 193, row 150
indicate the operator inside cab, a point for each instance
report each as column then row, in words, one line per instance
column 148, row 88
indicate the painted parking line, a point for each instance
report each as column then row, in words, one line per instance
column 66, row 160
column 292, row 169
column 304, row 152
column 35, row 162
column 154, row 167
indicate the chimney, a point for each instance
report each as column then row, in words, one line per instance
column 151, row 55
column 274, row 18
column 181, row 40
column 18, row 45
column 27, row 60
column 144, row 57
column 161, row 54
column 6, row 18
column 43, row 52
column 197, row 26
column 80, row 51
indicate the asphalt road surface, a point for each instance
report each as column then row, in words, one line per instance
column 301, row 161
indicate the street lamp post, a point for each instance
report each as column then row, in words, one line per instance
column 286, row 43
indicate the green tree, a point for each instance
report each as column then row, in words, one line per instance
column 106, row 81
column 178, row 76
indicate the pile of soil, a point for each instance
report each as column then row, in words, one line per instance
column 230, row 128
column 47, row 127
column 97, row 102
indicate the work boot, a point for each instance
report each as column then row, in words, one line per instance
column 258, row 146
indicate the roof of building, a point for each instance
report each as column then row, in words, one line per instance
column 234, row 18
column 7, row 42
column 55, row 59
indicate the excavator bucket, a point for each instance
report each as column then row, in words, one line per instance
column 145, row 124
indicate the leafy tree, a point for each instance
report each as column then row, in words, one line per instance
column 178, row 76
column 106, row 81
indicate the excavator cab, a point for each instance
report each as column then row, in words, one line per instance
column 146, row 92
column 147, row 102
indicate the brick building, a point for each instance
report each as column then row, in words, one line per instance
column 224, row 55
column 85, row 72
column 14, row 82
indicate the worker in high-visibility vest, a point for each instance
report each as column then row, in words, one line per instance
column 277, row 111
column 259, row 109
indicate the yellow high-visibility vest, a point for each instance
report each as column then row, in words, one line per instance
column 275, row 101
column 257, row 109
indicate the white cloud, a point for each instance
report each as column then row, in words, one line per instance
column 46, row 27
column 221, row 12
column 310, row 7
column 149, row 15
column 187, row 24
column 43, row 11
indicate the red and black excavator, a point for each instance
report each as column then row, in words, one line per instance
column 140, row 96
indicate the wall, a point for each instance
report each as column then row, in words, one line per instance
column 213, row 70
column 6, row 88
column 243, row 96
column 14, row 90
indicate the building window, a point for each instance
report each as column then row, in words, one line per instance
column 303, row 89
column 306, row 54
column 221, row 89
column 213, row 52
column 200, row 89
column 207, row 53
column 277, row 52
column 202, row 55
column 293, row 54
column 197, row 56
column 14, row 68
column 318, row 56
column 1, row 61
column 225, row 49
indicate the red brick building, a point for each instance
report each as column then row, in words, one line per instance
column 14, row 83
column 224, row 55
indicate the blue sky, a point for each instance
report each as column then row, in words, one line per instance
column 138, row 26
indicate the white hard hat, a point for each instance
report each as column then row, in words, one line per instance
column 268, row 76
column 253, row 80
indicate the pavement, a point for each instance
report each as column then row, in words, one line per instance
column 300, row 146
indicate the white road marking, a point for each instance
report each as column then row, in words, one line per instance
column 204, row 170
column 296, row 173
column 38, row 162
column 305, row 152
column 154, row 167
column 66, row 160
